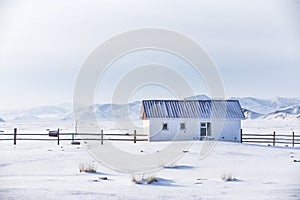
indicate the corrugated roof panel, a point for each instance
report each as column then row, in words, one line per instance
column 204, row 109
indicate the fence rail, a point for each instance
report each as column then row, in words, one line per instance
column 100, row 138
column 288, row 139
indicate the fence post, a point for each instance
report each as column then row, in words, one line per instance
column 274, row 138
column 101, row 137
column 15, row 136
column 134, row 137
column 241, row 135
column 57, row 136
column 293, row 138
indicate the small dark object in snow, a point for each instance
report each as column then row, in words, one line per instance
column 75, row 143
column 142, row 151
column 103, row 178
column 185, row 151
column 296, row 160
column 292, row 156
column 127, row 134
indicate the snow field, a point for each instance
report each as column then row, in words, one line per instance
column 36, row 170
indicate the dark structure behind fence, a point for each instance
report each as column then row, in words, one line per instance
column 83, row 136
column 286, row 139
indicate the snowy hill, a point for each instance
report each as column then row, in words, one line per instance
column 266, row 106
column 52, row 112
column 292, row 112
column 110, row 111
column 250, row 114
column 44, row 112
column 1, row 120
column 198, row 97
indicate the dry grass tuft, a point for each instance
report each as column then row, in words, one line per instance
column 143, row 180
column 151, row 179
column 228, row 177
column 88, row 167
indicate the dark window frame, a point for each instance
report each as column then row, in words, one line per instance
column 182, row 126
column 164, row 127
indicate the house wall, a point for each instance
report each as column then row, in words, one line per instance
column 228, row 130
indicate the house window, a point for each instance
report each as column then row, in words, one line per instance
column 182, row 126
column 205, row 129
column 165, row 126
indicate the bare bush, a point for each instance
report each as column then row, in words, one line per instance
column 151, row 179
column 88, row 167
column 144, row 180
column 228, row 177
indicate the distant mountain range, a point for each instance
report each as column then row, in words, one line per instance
column 253, row 108
column 277, row 108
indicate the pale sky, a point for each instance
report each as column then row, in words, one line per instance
column 255, row 44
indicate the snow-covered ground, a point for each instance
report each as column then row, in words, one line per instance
column 44, row 170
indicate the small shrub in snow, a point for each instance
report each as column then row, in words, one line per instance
column 151, row 179
column 228, row 177
column 143, row 180
column 134, row 179
column 87, row 167
column 137, row 180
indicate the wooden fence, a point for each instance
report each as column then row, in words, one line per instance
column 271, row 139
column 82, row 136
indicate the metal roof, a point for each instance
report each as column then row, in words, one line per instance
column 203, row 109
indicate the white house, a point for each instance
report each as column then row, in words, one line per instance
column 167, row 120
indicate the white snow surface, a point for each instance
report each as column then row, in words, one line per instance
column 44, row 170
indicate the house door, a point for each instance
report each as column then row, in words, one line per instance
column 205, row 129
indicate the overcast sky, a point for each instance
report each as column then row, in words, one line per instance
column 255, row 44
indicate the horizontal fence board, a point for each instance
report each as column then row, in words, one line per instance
column 271, row 139
column 281, row 135
column 99, row 139
column 282, row 142
column 248, row 134
column 256, row 138
column 76, row 134
column 37, row 139
column 43, row 134
column 259, row 141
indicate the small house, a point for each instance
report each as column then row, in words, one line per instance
column 180, row 120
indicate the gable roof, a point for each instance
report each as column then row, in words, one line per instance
column 202, row 109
